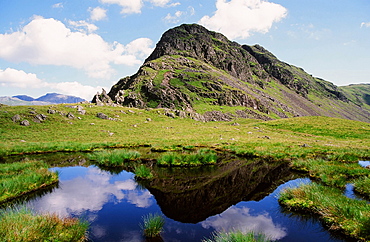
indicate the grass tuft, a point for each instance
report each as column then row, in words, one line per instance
column 143, row 172
column 237, row 237
column 152, row 225
column 24, row 225
column 202, row 157
column 114, row 158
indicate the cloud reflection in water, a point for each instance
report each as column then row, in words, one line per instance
column 90, row 190
column 240, row 219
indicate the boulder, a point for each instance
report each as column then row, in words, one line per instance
column 16, row 118
column 25, row 123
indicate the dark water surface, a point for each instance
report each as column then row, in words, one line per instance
column 194, row 201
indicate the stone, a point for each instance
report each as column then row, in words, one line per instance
column 149, row 119
column 51, row 111
column 70, row 115
column 82, row 112
column 25, row 123
column 169, row 114
column 102, row 116
column 41, row 117
column 16, row 118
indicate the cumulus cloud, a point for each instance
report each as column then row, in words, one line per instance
column 18, row 78
column 239, row 18
column 50, row 42
column 364, row 24
column 98, row 13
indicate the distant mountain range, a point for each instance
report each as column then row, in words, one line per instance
column 49, row 98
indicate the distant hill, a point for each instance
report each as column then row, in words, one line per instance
column 201, row 74
column 13, row 101
column 47, row 99
column 53, row 98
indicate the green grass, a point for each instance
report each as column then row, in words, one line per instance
column 202, row 157
column 332, row 173
column 22, row 225
column 236, row 237
column 113, row 158
column 152, row 225
column 346, row 215
column 19, row 178
column 143, row 172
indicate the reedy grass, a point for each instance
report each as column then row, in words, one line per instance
column 334, row 173
column 24, row 225
column 362, row 185
column 19, row 178
column 349, row 216
column 236, row 236
column 143, row 172
column 202, row 157
column 152, row 225
column 113, row 158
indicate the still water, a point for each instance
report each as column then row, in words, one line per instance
column 194, row 201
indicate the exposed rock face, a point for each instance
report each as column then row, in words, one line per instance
column 192, row 69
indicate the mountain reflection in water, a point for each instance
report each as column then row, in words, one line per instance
column 195, row 202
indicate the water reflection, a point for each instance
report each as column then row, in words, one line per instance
column 192, row 199
column 240, row 219
column 83, row 189
column 195, row 201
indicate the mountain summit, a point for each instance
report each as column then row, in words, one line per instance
column 201, row 74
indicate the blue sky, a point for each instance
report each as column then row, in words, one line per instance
column 79, row 47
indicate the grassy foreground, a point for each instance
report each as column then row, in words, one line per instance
column 23, row 225
column 19, row 178
column 340, row 213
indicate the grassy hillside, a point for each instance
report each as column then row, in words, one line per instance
column 284, row 138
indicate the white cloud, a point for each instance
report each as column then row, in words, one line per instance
column 164, row 3
column 98, row 13
column 135, row 6
column 89, row 28
column 239, row 219
column 18, row 78
column 58, row 5
column 364, row 24
column 131, row 6
column 173, row 18
column 239, row 18
column 76, row 89
column 178, row 14
column 50, row 42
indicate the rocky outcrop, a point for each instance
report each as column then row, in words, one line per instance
column 193, row 70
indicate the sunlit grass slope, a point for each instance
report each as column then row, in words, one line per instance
column 283, row 138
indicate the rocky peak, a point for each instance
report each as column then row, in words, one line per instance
column 194, row 69
column 193, row 40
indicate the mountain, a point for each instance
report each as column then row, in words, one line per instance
column 13, row 101
column 201, row 74
column 53, row 98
